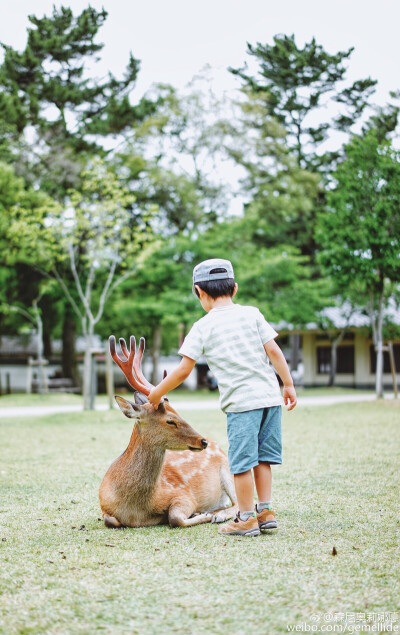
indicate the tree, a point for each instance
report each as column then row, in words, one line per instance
column 157, row 302
column 97, row 237
column 51, row 73
column 280, row 197
column 50, row 88
column 360, row 230
column 19, row 284
column 181, row 145
column 294, row 83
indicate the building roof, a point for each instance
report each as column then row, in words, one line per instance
column 344, row 316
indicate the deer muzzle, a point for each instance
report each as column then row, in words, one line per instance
column 203, row 444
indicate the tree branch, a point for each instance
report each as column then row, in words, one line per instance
column 119, row 280
column 106, row 288
column 89, row 283
column 78, row 282
column 17, row 309
column 67, row 293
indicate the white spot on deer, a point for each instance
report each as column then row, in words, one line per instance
column 176, row 463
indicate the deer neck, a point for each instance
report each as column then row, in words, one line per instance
column 143, row 466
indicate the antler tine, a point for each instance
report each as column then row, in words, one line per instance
column 132, row 342
column 127, row 364
column 137, row 365
column 124, row 348
column 113, row 350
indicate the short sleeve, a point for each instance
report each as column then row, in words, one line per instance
column 193, row 344
column 267, row 333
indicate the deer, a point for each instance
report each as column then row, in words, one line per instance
column 169, row 473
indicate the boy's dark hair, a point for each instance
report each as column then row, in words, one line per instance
column 216, row 288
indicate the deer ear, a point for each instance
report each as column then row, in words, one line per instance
column 129, row 409
column 140, row 398
column 161, row 407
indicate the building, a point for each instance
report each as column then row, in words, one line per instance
column 356, row 357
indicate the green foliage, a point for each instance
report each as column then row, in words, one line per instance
column 159, row 294
column 279, row 281
column 360, row 232
column 173, row 199
column 51, row 71
column 22, row 213
column 295, row 82
column 182, row 138
column 48, row 86
column 281, row 196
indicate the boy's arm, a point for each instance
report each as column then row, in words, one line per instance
column 279, row 363
column 174, row 379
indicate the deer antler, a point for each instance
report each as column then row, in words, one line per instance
column 131, row 365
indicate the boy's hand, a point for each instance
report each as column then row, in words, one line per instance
column 289, row 397
column 154, row 398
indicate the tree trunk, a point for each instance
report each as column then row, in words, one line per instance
column 69, row 365
column 379, row 351
column 155, row 353
column 332, row 372
column 335, row 344
column 379, row 370
column 294, row 351
column 47, row 350
column 87, row 372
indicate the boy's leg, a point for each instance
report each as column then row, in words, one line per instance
column 263, row 481
column 270, row 451
column 245, row 523
column 243, row 430
column 244, row 487
column 265, row 514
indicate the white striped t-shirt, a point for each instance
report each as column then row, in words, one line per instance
column 232, row 339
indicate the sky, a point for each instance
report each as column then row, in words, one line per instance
column 175, row 39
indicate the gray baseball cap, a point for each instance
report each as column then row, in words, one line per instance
column 213, row 269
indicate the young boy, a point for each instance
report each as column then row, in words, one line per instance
column 239, row 345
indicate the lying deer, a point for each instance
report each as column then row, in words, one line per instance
column 169, row 472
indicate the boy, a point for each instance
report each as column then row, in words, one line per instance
column 238, row 344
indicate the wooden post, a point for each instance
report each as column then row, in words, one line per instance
column 93, row 381
column 29, row 377
column 109, row 377
column 8, row 384
column 393, row 369
column 42, row 375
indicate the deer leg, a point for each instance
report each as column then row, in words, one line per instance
column 220, row 515
column 112, row 522
column 180, row 514
column 227, row 484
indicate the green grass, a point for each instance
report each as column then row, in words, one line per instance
column 62, row 571
column 20, row 400
column 55, row 399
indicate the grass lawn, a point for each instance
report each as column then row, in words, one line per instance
column 62, row 571
column 56, row 399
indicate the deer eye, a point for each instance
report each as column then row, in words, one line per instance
column 172, row 423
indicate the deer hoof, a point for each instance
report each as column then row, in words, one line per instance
column 112, row 522
column 219, row 517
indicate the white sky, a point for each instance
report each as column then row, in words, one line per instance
column 176, row 38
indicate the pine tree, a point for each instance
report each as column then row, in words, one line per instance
column 48, row 86
column 293, row 83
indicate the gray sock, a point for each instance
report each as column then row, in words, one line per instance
column 246, row 515
column 263, row 505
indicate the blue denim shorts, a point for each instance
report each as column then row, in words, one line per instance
column 254, row 436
